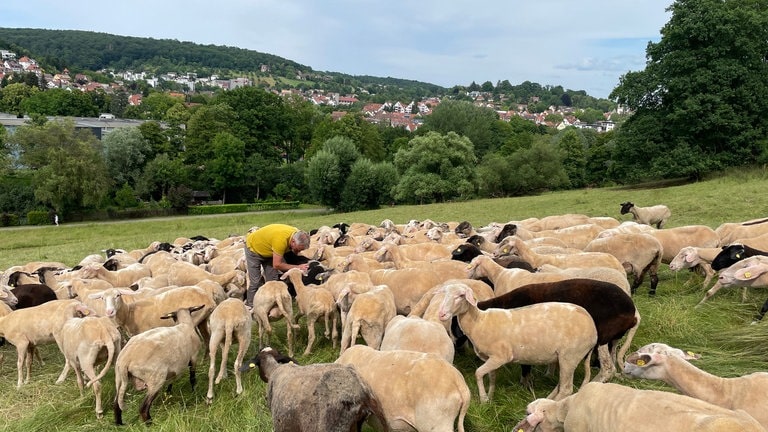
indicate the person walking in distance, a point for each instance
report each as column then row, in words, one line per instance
column 264, row 254
column 56, row 219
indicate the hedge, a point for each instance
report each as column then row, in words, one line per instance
column 242, row 208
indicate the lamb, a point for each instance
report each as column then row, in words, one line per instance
column 661, row 362
column 692, row 257
column 86, row 342
column 654, row 215
column 272, row 302
column 230, row 319
column 585, row 259
column 155, row 357
column 606, row 407
column 543, row 333
column 431, row 396
column 37, row 325
column 417, row 334
column 314, row 302
column 314, row 398
column 368, row 316
column 638, row 253
column 612, row 310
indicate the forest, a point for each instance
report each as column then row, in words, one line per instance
column 698, row 108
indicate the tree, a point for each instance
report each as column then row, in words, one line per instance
column 703, row 93
column 329, row 169
column 354, row 127
column 536, row 169
column 464, row 118
column 436, row 168
column 227, row 169
column 70, row 172
column 13, row 96
column 369, row 185
column 160, row 175
column 126, row 152
column 574, row 161
column 203, row 125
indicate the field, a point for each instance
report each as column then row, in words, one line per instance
column 719, row 330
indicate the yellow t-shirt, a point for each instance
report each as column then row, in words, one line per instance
column 270, row 239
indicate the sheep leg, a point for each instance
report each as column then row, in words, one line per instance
column 488, row 367
column 64, row 372
column 334, row 331
column 211, row 369
column 744, row 295
column 146, row 404
column 526, row 378
column 21, row 360
column 192, row 377
column 224, row 356
column 607, row 365
column 310, row 333
column 710, row 293
column 97, row 396
column 121, row 385
column 763, row 311
column 242, row 347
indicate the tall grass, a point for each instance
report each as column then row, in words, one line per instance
column 719, row 330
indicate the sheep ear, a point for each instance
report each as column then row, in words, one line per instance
column 470, row 296
column 690, row 257
column 640, row 360
column 751, row 272
column 690, row 355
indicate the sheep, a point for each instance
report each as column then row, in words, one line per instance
column 319, row 397
column 654, row 215
column 314, row 302
column 576, row 236
column 674, row 239
column 612, row 310
column 733, row 253
column 8, row 297
column 157, row 356
column 604, row 274
column 730, row 232
column 29, row 295
column 729, row 260
column 417, row 334
column 627, row 227
column 121, row 278
column 449, row 269
column 692, row 257
column 758, row 242
column 662, row 362
column 542, row 333
column 585, row 259
column 182, row 273
column 749, row 272
column 417, row 391
column 638, row 253
column 272, row 302
column 466, row 252
column 141, row 315
column 27, row 328
column 368, row 316
column 606, row 407
column 230, row 319
column 84, row 343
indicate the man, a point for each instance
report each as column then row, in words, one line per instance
column 266, row 247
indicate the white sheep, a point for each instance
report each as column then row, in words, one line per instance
column 448, row 268
column 271, row 302
column 151, row 359
column 585, row 259
column 749, row 272
column 654, row 215
column 661, row 362
column 368, row 316
column 29, row 327
column 417, row 391
column 675, row 239
column 229, row 320
column 640, row 254
column 729, row 232
column 314, row 302
column 417, row 334
column 607, row 407
column 691, row 257
column 543, row 333
column 85, row 342
column 119, row 278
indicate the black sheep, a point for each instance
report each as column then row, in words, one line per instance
column 732, row 254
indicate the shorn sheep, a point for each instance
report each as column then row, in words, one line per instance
column 606, row 407
column 671, row 365
column 229, row 320
column 154, row 357
column 655, row 215
column 322, row 397
column 543, row 333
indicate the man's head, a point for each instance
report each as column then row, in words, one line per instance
column 299, row 241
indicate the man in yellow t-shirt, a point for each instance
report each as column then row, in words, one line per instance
column 265, row 248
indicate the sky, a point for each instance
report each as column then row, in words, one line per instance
column 580, row 45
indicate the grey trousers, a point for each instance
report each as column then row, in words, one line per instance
column 259, row 270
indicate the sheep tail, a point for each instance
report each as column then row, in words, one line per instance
column 110, row 356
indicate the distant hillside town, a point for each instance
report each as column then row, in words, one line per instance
column 407, row 115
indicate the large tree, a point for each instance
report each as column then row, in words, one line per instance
column 126, row 152
column 476, row 123
column 700, row 103
column 434, row 168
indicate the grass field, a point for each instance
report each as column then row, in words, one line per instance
column 719, row 330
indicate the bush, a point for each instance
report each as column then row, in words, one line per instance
column 9, row 219
column 39, row 217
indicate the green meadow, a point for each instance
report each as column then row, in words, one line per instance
column 719, row 330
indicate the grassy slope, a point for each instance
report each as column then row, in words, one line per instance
column 719, row 330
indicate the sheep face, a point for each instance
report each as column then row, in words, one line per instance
column 457, row 299
column 625, row 207
column 745, row 272
column 543, row 415
column 261, row 360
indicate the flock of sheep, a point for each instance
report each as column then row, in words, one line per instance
column 551, row 291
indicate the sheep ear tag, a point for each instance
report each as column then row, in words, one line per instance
column 640, row 362
column 747, row 274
